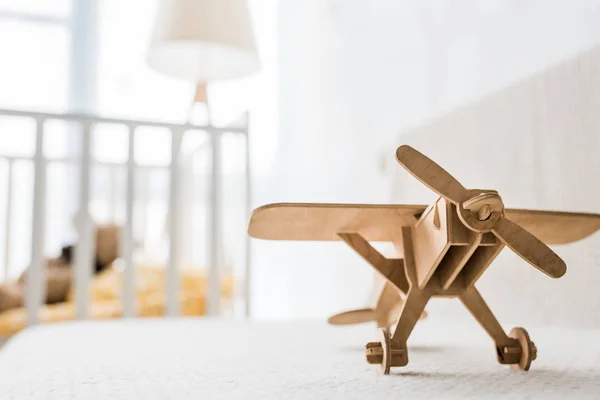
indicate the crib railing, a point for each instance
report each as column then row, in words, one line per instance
column 85, row 244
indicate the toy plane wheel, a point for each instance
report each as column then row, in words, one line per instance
column 381, row 352
column 385, row 354
column 528, row 349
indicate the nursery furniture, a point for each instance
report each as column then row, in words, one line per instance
column 130, row 198
column 106, row 293
column 442, row 249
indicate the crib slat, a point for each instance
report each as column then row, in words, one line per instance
column 248, row 250
column 129, row 298
column 85, row 247
column 8, row 213
column 34, row 288
column 214, row 234
column 144, row 177
column 113, row 171
column 172, row 272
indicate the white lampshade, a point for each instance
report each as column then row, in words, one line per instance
column 203, row 40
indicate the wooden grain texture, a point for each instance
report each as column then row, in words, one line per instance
column 430, row 240
column 530, row 248
column 553, row 227
column 478, row 263
column 455, row 260
column 388, row 306
column 458, row 233
column 473, row 301
column 353, row 317
column 391, row 268
column 384, row 313
column 309, row 221
column 323, row 222
column 413, row 307
column 430, row 174
column 528, row 349
column 406, row 245
column 416, row 299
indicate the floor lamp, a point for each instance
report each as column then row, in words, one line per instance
column 203, row 41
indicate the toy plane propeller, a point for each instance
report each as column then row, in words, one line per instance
column 481, row 211
column 442, row 249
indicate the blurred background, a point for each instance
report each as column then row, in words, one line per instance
column 336, row 87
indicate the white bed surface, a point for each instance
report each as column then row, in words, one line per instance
column 195, row 358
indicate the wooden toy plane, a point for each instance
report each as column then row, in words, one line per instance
column 443, row 249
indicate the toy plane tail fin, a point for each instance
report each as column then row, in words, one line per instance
column 353, row 317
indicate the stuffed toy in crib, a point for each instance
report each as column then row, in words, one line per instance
column 58, row 273
column 106, row 289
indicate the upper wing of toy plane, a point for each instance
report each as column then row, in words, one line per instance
column 323, row 222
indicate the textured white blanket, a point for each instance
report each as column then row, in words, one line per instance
column 194, row 359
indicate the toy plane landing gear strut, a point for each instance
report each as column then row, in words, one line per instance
column 443, row 249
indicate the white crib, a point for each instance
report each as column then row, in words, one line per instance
column 133, row 172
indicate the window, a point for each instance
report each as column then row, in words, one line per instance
column 89, row 56
column 35, row 63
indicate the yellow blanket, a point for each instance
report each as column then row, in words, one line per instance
column 105, row 298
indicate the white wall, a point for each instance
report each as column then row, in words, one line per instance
column 352, row 76
column 537, row 143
